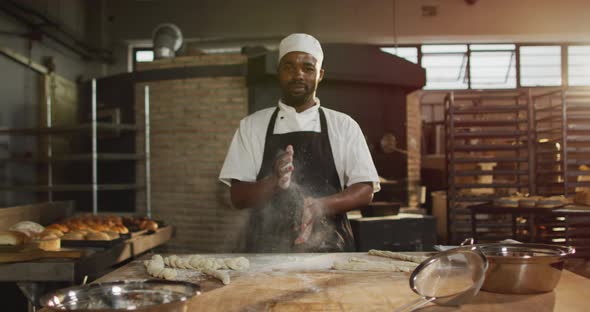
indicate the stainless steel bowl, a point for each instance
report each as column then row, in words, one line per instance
column 139, row 295
column 523, row 268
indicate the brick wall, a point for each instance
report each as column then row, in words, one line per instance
column 414, row 124
column 192, row 123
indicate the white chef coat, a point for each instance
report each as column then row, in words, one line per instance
column 351, row 155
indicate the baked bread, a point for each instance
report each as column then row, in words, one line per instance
column 53, row 231
column 97, row 236
column 529, row 202
column 74, row 235
column 48, row 243
column 507, row 202
column 112, row 234
column 121, row 229
column 582, row 198
column 60, row 227
column 12, row 238
column 29, row 228
column 551, row 202
column 149, row 225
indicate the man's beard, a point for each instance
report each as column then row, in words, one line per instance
column 297, row 98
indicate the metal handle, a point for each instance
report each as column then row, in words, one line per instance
column 468, row 241
column 569, row 251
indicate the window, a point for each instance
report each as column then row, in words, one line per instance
column 578, row 65
column 144, row 56
column 492, row 66
column 540, row 66
column 445, row 66
column 408, row 53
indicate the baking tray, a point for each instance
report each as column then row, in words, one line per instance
column 92, row 243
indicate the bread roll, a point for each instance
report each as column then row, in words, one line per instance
column 529, row 202
column 551, row 202
column 60, row 227
column 48, row 243
column 582, row 198
column 150, row 225
column 121, row 229
column 97, row 236
column 12, row 238
column 29, row 228
column 52, row 231
column 112, row 234
column 507, row 202
column 74, row 235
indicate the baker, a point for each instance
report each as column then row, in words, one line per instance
column 299, row 167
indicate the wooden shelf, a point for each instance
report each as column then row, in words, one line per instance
column 490, row 134
column 469, row 160
column 489, row 123
column 487, row 147
column 467, row 173
column 489, row 109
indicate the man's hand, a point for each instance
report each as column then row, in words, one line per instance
column 283, row 167
column 312, row 209
column 253, row 194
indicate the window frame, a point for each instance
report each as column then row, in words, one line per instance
column 134, row 55
column 517, row 45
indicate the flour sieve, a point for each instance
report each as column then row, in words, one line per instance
column 448, row 278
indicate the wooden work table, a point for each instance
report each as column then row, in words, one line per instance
column 305, row 282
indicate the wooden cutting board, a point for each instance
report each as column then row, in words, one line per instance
column 16, row 254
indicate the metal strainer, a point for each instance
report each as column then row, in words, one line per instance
column 449, row 278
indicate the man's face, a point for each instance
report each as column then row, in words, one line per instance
column 299, row 78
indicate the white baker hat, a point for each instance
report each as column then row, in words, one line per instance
column 302, row 43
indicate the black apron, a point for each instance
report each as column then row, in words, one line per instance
column 274, row 226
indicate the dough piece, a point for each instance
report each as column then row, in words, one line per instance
column 183, row 263
column 172, row 261
column 223, row 276
column 199, row 263
column 410, row 265
column 375, row 266
column 220, row 263
column 208, row 265
column 155, row 267
column 397, row 256
column 168, row 274
column 238, row 264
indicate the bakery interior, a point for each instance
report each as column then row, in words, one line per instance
column 117, row 116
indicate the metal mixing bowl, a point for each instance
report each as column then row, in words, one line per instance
column 139, row 295
column 523, row 268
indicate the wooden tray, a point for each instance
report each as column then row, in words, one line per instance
column 29, row 254
column 92, row 243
